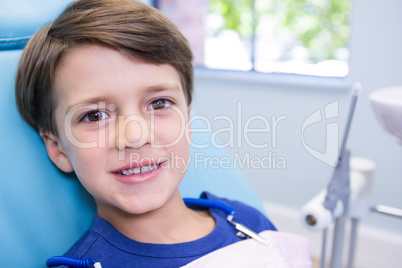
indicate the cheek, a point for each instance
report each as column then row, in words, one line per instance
column 79, row 159
column 86, row 162
column 171, row 130
column 95, row 136
column 179, row 158
column 88, row 165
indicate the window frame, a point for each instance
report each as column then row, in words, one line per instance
column 253, row 76
column 283, row 79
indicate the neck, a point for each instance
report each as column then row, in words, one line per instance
column 171, row 223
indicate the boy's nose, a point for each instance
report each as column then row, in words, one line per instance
column 132, row 132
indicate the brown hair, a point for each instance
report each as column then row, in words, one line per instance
column 137, row 30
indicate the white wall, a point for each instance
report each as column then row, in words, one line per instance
column 376, row 62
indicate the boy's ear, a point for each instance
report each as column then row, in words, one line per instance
column 56, row 152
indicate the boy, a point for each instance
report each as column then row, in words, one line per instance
column 108, row 87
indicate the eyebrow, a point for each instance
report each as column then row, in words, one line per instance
column 94, row 100
column 151, row 89
column 164, row 87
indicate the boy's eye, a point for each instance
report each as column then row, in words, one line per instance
column 159, row 104
column 95, row 116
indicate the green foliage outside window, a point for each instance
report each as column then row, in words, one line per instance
column 321, row 26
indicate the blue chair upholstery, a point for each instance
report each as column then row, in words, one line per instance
column 44, row 211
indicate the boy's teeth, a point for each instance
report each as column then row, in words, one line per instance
column 138, row 170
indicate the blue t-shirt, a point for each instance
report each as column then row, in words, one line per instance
column 105, row 244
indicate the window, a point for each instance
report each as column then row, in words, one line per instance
column 308, row 37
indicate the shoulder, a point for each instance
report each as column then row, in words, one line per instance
column 88, row 239
column 80, row 248
column 245, row 214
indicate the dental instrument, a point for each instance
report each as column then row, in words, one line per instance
column 72, row 262
column 196, row 202
column 387, row 210
column 230, row 211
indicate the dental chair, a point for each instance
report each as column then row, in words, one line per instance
column 42, row 210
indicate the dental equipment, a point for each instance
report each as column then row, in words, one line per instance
column 243, row 232
column 319, row 213
column 339, row 190
column 335, row 204
column 387, row 105
column 72, row 262
column 389, row 211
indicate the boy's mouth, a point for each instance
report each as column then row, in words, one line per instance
column 138, row 170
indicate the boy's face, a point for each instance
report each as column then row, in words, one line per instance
column 122, row 128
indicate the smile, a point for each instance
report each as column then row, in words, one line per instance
column 138, row 174
column 138, row 170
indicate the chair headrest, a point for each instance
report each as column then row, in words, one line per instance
column 20, row 19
